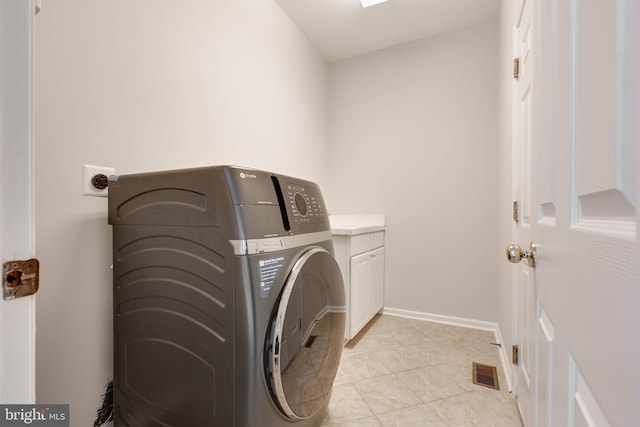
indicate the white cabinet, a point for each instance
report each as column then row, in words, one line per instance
column 366, row 283
column 361, row 259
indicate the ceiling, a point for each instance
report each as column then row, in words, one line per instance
column 343, row 28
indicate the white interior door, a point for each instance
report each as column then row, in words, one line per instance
column 17, row 225
column 524, row 288
column 584, row 207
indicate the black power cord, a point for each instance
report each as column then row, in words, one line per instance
column 105, row 413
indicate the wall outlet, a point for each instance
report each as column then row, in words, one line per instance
column 88, row 172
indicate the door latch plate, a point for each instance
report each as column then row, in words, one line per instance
column 20, row 278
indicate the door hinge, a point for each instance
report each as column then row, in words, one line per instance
column 515, row 211
column 20, row 278
column 514, row 354
column 516, row 68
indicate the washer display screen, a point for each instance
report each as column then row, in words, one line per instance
column 305, row 203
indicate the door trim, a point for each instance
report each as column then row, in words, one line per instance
column 17, row 218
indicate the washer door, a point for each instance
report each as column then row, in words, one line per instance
column 306, row 337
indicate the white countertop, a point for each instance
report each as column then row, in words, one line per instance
column 351, row 225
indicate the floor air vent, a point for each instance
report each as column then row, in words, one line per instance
column 485, row 375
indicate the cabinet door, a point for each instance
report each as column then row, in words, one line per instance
column 376, row 284
column 360, row 306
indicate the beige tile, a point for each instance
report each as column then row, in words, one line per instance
column 444, row 350
column 478, row 408
column 442, row 330
column 386, row 393
column 346, row 405
column 302, row 388
column 482, row 346
column 487, row 354
column 364, row 422
column 452, row 348
column 403, row 358
column 461, row 372
column 370, row 343
column 477, row 334
column 379, row 328
column 405, row 331
column 429, row 383
column 428, row 360
column 412, row 334
column 341, row 377
column 390, row 322
column 415, row 416
column 357, row 366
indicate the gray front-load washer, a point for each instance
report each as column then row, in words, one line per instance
column 228, row 304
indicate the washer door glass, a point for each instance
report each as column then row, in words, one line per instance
column 305, row 342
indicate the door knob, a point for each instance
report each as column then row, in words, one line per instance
column 515, row 254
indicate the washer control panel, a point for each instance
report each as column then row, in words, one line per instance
column 306, row 204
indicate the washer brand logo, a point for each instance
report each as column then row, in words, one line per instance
column 247, row 175
column 38, row 415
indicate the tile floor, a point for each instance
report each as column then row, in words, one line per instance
column 404, row 372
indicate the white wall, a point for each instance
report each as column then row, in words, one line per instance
column 413, row 135
column 147, row 85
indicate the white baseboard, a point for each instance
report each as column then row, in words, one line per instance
column 438, row 318
column 464, row 323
